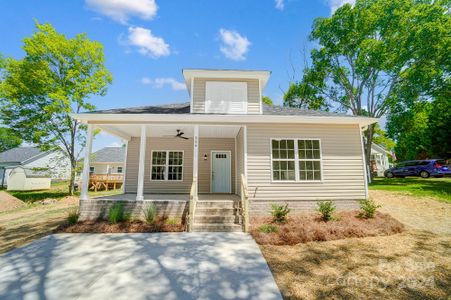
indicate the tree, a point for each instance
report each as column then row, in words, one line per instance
column 54, row 79
column 374, row 54
column 8, row 139
column 266, row 100
column 380, row 137
column 422, row 129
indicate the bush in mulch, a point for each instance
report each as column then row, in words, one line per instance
column 135, row 226
column 311, row 227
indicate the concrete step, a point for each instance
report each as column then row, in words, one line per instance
column 213, row 211
column 208, row 227
column 218, row 204
column 218, row 219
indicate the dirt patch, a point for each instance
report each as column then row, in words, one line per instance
column 422, row 213
column 122, row 227
column 309, row 227
column 411, row 265
column 8, row 202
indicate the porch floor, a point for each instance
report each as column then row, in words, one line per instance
column 170, row 197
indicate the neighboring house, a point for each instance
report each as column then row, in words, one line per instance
column 225, row 151
column 108, row 160
column 32, row 158
column 379, row 159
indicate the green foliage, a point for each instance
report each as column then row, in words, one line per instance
column 117, row 214
column 72, row 217
column 56, row 77
column 279, row 212
column 326, row 209
column 369, row 207
column 267, row 228
column 266, row 100
column 8, row 140
column 380, row 138
column 150, row 213
column 172, row 221
column 374, row 54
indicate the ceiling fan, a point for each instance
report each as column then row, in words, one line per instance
column 180, row 134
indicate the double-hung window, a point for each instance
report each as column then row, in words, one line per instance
column 167, row 165
column 296, row 160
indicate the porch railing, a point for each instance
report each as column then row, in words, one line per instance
column 245, row 203
column 192, row 205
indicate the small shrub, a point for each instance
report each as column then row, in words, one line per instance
column 72, row 216
column 267, row 228
column 150, row 213
column 117, row 214
column 279, row 213
column 326, row 209
column 369, row 207
column 172, row 221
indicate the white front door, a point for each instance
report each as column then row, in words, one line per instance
column 220, row 172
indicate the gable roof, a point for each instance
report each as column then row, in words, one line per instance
column 184, row 108
column 379, row 148
column 109, row 154
column 21, row 155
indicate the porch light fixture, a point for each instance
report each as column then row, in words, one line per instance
column 205, row 156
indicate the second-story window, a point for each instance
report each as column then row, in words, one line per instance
column 226, row 97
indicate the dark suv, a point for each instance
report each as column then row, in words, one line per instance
column 423, row 168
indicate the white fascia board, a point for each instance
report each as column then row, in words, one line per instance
column 217, row 118
column 231, row 74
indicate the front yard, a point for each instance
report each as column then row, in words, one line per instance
column 415, row 264
column 39, row 214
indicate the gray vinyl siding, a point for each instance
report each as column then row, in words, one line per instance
column 205, row 147
column 342, row 166
column 253, row 94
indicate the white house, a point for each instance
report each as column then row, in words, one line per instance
column 225, row 156
column 379, row 159
column 32, row 158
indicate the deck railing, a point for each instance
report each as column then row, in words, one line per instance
column 105, row 181
column 192, row 204
column 245, row 203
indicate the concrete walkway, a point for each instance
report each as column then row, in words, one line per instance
column 138, row 266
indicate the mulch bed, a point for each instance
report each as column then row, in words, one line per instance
column 122, row 227
column 310, row 227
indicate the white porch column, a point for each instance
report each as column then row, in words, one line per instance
column 245, row 150
column 86, row 164
column 196, row 152
column 141, row 167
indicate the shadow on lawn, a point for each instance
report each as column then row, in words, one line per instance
column 34, row 196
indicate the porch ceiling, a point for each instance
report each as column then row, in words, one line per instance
column 126, row 131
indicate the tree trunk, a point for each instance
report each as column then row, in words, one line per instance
column 369, row 141
column 73, row 164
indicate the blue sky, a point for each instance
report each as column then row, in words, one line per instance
column 147, row 43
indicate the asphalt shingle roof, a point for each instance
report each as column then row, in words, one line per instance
column 109, row 154
column 19, row 155
column 184, row 108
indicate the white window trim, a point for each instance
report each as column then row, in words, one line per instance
column 297, row 160
column 166, row 166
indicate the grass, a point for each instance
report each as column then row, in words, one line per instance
column 23, row 225
column 57, row 191
column 438, row 188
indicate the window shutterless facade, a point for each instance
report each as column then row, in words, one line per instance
column 296, row 160
column 167, row 165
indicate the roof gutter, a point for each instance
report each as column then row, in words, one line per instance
column 234, row 119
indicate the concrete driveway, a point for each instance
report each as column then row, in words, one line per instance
column 138, row 266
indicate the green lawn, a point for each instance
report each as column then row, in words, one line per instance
column 439, row 188
column 58, row 190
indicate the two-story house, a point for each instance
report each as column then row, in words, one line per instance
column 225, row 156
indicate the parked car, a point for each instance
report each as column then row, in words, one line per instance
column 422, row 168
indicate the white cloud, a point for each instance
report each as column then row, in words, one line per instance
column 235, row 46
column 147, row 43
column 121, row 10
column 335, row 4
column 280, row 4
column 115, row 144
column 161, row 82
